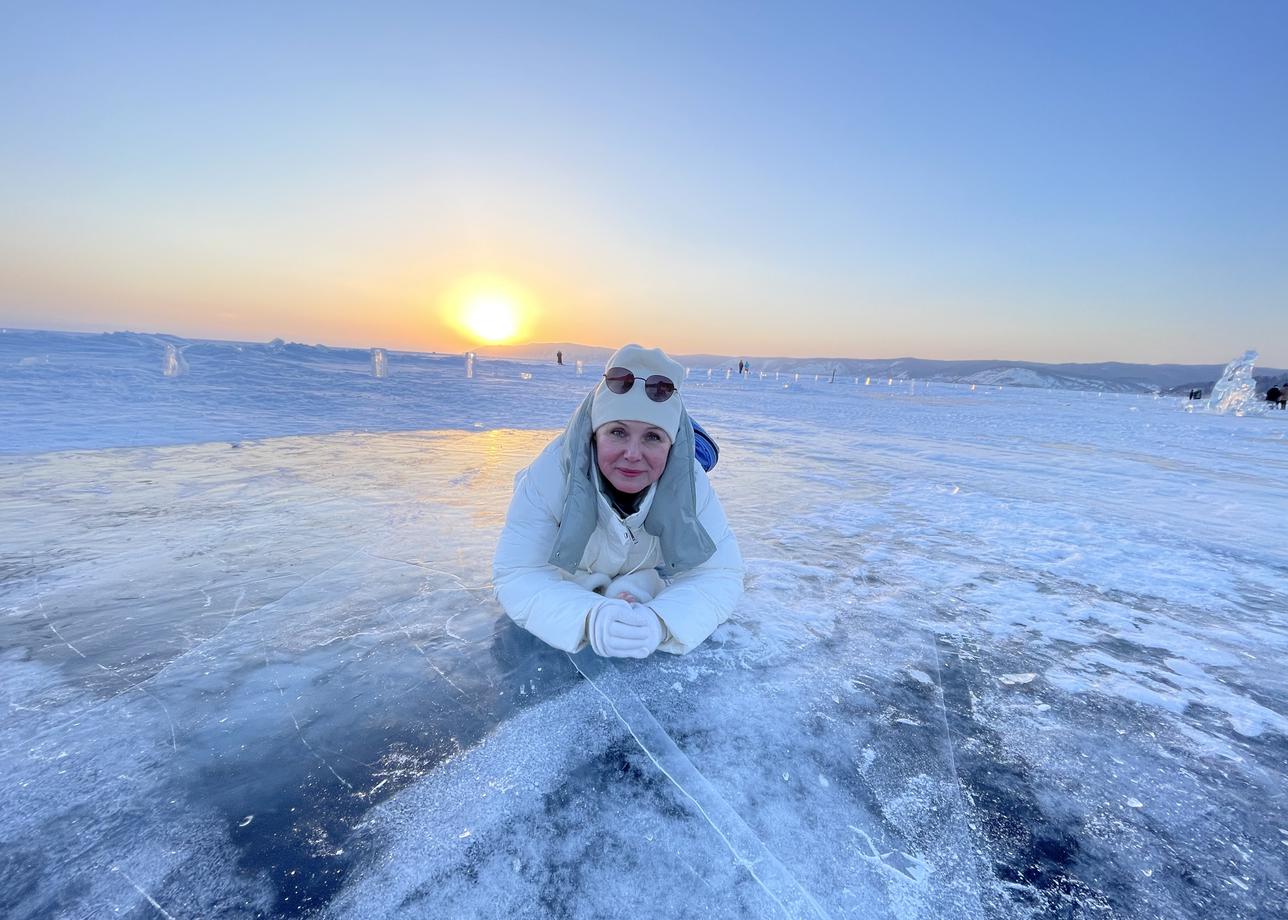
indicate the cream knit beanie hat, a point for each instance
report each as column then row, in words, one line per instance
column 634, row 405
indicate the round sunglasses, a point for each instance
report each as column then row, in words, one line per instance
column 658, row 387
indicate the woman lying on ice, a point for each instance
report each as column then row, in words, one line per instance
column 614, row 536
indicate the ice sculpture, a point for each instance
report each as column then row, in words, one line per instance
column 1236, row 391
column 379, row 363
column 175, row 365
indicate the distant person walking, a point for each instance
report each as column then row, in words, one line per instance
column 740, row 368
column 559, row 357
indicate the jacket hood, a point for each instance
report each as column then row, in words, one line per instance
column 672, row 517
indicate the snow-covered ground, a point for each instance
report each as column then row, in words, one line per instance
column 1003, row 653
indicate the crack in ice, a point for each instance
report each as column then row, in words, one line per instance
column 40, row 605
column 151, row 900
column 287, row 706
column 715, row 802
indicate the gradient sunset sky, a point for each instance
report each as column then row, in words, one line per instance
column 1047, row 181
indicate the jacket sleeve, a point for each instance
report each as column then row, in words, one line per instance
column 697, row 601
column 533, row 592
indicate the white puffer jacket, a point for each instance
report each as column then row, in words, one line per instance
column 554, row 605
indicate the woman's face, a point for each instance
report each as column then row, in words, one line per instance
column 631, row 455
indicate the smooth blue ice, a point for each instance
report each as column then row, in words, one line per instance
column 1003, row 653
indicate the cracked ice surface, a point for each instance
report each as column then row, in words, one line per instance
column 1002, row 654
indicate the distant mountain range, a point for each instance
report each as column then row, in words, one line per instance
column 1109, row 376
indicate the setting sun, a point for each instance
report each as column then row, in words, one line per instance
column 488, row 310
column 492, row 319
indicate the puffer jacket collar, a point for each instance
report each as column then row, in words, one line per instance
column 672, row 514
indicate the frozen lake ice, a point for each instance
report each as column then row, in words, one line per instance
column 1003, row 652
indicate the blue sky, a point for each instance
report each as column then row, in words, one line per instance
column 1088, row 181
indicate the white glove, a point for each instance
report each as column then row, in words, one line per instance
column 642, row 586
column 617, row 629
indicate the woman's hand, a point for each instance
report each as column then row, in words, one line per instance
column 635, row 588
column 617, row 629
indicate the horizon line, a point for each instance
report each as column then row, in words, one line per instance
column 611, row 348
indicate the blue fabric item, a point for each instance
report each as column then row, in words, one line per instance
column 704, row 447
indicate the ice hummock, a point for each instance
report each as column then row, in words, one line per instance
column 1236, row 391
column 174, row 365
